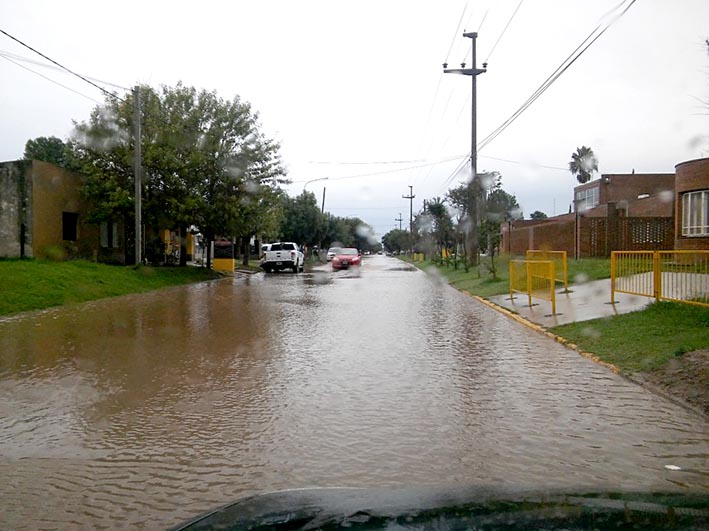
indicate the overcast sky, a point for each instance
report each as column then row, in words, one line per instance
column 346, row 85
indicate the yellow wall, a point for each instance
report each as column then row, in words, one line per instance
column 55, row 190
column 223, row 264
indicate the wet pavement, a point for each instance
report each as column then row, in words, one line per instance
column 144, row 410
column 582, row 302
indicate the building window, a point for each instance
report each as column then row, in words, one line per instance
column 695, row 213
column 70, row 221
column 587, row 198
column 109, row 235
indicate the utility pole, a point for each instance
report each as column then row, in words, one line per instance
column 322, row 210
column 137, row 172
column 399, row 219
column 474, row 207
column 410, row 197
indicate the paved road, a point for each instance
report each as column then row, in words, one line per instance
column 147, row 409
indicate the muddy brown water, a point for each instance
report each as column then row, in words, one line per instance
column 142, row 411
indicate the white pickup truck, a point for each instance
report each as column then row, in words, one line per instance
column 283, row 255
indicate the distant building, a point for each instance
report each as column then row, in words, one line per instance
column 625, row 212
column 633, row 194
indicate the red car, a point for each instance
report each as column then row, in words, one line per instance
column 346, row 257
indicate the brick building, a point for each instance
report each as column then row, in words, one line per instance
column 625, row 212
column 692, row 205
column 633, row 194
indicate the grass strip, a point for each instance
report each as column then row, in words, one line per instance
column 27, row 285
column 643, row 340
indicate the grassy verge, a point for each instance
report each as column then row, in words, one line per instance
column 643, row 340
column 34, row 285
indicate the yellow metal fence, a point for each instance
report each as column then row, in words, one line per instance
column 535, row 278
column 680, row 276
column 561, row 268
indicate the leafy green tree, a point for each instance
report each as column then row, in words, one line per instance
column 302, row 221
column 500, row 206
column 396, row 241
column 435, row 227
column 467, row 200
column 48, row 149
column 583, row 164
column 205, row 162
column 537, row 215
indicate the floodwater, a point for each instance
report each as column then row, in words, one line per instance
column 145, row 410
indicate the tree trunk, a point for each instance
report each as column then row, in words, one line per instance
column 246, row 251
column 208, row 243
column 183, row 245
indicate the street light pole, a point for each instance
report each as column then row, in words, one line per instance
column 314, row 180
column 474, row 207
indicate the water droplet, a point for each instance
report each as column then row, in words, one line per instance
column 581, row 278
column 666, row 196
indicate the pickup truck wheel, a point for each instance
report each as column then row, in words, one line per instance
column 295, row 269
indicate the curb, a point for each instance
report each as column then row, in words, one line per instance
column 540, row 329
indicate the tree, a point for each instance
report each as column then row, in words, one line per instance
column 48, row 149
column 302, row 221
column 205, row 162
column 583, row 164
column 537, row 215
column 467, row 199
column 396, row 240
column 500, row 206
column 435, row 224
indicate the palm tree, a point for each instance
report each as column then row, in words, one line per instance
column 583, row 164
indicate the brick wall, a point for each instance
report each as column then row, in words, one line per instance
column 692, row 176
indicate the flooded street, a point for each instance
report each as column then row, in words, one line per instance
column 144, row 410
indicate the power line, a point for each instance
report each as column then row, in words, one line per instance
column 383, row 172
column 504, row 30
column 571, row 59
column 51, row 80
column 455, row 34
column 62, row 66
column 6, row 54
column 334, row 163
column 483, row 20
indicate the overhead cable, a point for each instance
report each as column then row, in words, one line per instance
column 6, row 54
column 50, row 79
column 110, row 94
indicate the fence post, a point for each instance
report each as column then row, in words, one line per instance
column 552, row 283
column 529, row 283
column 613, row 277
column 512, row 280
column 656, row 276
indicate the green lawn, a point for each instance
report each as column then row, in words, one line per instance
column 34, row 284
column 643, row 340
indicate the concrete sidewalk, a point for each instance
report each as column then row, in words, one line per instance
column 583, row 302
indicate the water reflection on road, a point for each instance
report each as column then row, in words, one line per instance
column 147, row 409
